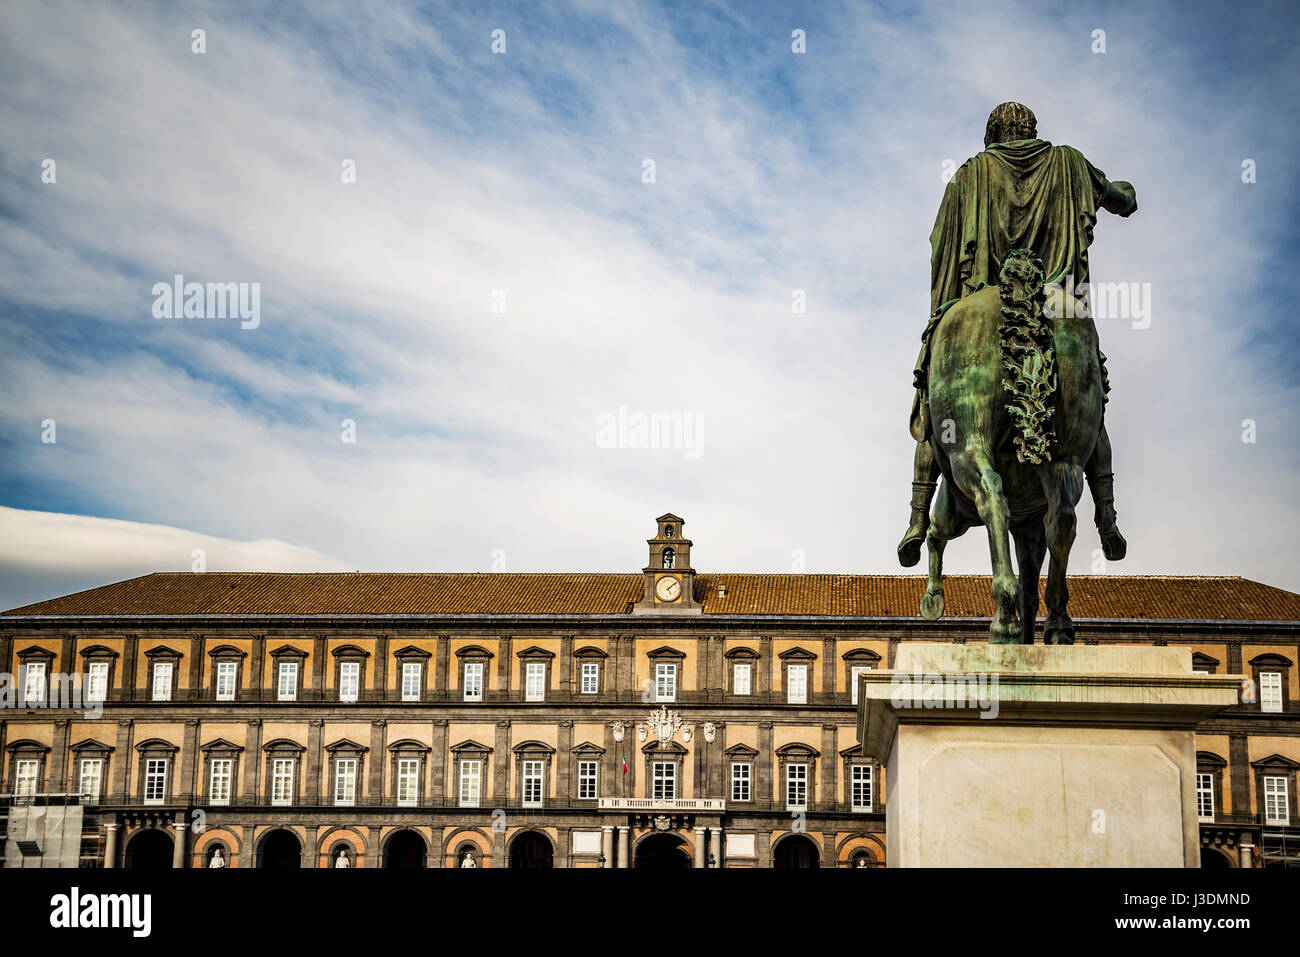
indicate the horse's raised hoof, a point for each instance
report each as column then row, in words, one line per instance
column 932, row 606
column 909, row 549
column 1113, row 545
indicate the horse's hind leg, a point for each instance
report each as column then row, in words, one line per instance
column 1063, row 485
column 973, row 470
column 945, row 524
column 1031, row 547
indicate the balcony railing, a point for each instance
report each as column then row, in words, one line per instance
column 711, row 805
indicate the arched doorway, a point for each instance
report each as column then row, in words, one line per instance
column 663, row 852
column 405, row 849
column 280, row 851
column 149, row 850
column 531, row 849
column 796, row 851
column 1214, row 860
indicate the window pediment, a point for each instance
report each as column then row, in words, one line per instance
column 288, row 651
column 27, row 744
column 90, row 744
column 473, row 651
column 36, row 652
column 284, row 746
column 409, row 745
column 587, row 747
column 1265, row 660
column 410, row 651
column 98, row 651
column 797, row 750
column 741, row 751
column 533, row 651
column 654, row 747
column 1275, row 762
column 227, row 651
column 350, row 651
column 220, row 744
column 1208, row 759
column 797, row 655
column 590, row 651
column 471, row 747
column 157, row 745
column 853, row 751
column 162, row 651
column 665, row 651
column 861, row 656
column 533, row 747
column 345, row 744
column 742, row 653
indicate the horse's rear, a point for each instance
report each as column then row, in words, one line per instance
column 1015, row 410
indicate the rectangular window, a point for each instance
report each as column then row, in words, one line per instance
column 854, row 672
column 742, row 777
column 162, row 680
column 532, row 778
column 1205, row 797
column 1276, row 810
column 155, row 780
column 471, row 782
column 408, row 781
column 474, row 681
column 861, row 784
column 741, row 679
column 535, row 681
column 796, row 786
column 92, row 773
column 282, row 781
column 34, row 682
column 345, row 781
column 590, row 677
column 411, row 680
column 665, row 682
column 226, row 671
column 349, row 680
column 25, row 777
column 1270, row 691
column 287, row 688
column 587, row 780
column 97, row 681
column 219, row 783
column 796, row 684
column 665, row 781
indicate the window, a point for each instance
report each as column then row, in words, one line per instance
column 345, row 780
column 742, row 779
column 473, row 681
column 796, row 786
column 587, row 780
column 742, row 678
column 1270, row 691
column 34, row 683
column 1276, row 810
column 665, row 681
column 668, row 531
column 861, row 787
column 590, row 677
column 664, row 781
column 220, row 773
column 796, row 691
column 349, row 680
column 155, row 780
column 1205, row 796
column 97, row 681
column 226, row 671
column 535, row 681
column 25, row 773
column 670, row 558
column 282, row 781
column 471, row 782
column 854, row 672
column 92, row 774
column 408, row 781
column 532, row 782
column 411, row 673
column 287, row 687
column 162, row 680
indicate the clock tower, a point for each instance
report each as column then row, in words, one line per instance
column 669, row 578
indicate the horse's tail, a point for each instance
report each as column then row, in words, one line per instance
column 1027, row 356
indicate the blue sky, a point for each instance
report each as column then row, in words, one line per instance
column 522, row 172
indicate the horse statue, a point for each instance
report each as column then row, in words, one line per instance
column 1015, row 398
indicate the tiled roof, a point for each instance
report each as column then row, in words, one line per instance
column 383, row 593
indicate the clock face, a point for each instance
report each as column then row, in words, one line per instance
column 668, row 588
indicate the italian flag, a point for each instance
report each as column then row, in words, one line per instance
column 625, row 760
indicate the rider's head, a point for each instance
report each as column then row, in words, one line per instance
column 1010, row 121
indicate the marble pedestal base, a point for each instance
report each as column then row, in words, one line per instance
column 1039, row 756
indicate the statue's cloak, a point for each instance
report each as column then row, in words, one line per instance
column 1026, row 194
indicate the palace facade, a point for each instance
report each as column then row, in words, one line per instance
column 655, row 719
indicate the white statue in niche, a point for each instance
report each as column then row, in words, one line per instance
column 467, row 860
column 342, row 860
column 218, row 858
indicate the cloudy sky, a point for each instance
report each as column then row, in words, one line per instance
column 501, row 282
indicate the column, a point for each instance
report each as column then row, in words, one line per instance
column 501, row 765
column 622, row 847
column 1239, row 773
column 378, row 760
column 1246, row 851
column 829, row 797
column 252, row 758
column 607, row 845
column 190, row 764
column 60, row 778
column 700, row 834
column 318, row 663
column 438, row 762
column 312, row 785
column 715, row 842
column 110, row 845
column 442, row 669
column 122, row 762
column 180, row 846
column 380, row 679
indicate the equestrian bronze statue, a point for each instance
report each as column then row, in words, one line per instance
column 1011, row 382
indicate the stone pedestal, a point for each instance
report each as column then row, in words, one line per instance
column 1039, row 756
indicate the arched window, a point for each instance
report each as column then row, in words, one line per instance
column 668, row 531
column 670, row 557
